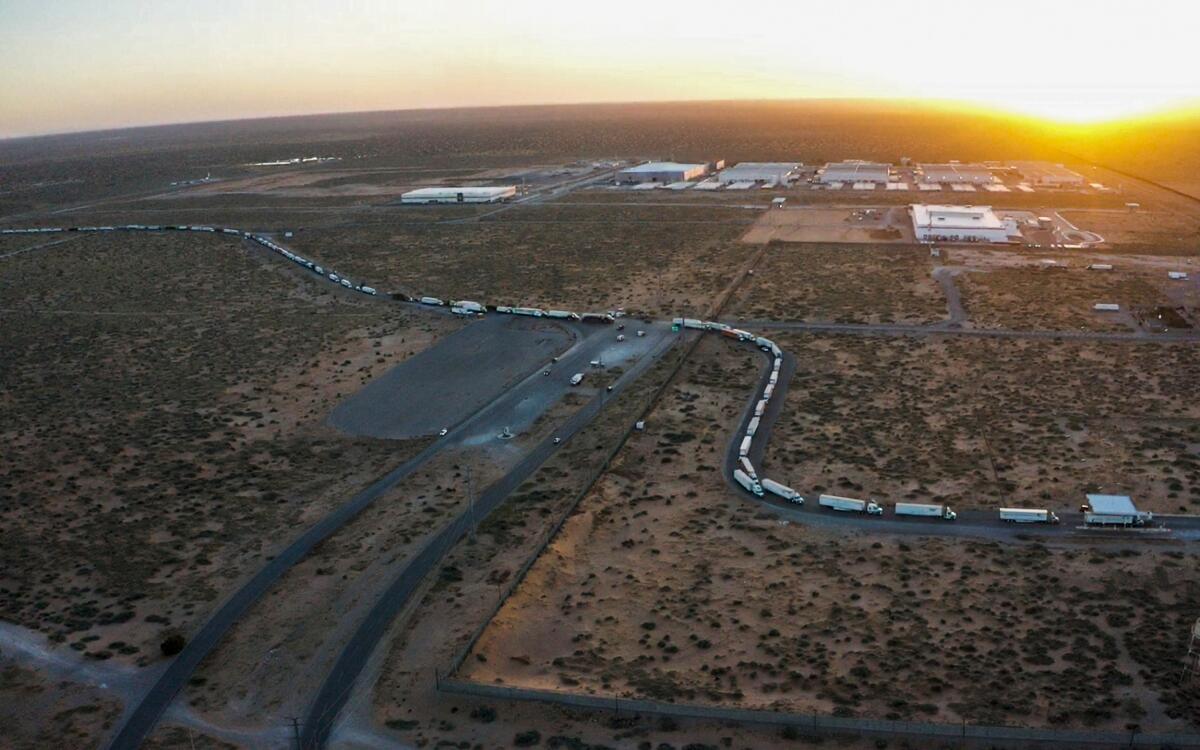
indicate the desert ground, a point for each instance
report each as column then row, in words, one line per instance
column 165, row 404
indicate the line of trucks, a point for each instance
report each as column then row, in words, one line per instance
column 747, row 477
column 471, row 308
column 265, row 242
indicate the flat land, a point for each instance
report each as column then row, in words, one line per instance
column 667, row 585
column 842, row 283
column 162, row 415
column 594, row 258
column 830, row 225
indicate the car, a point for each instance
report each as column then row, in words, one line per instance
column 620, row 337
column 554, row 360
column 641, row 333
column 621, row 327
column 443, row 432
column 610, row 388
column 557, row 440
column 546, row 371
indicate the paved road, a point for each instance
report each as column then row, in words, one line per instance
column 944, row 329
column 141, row 718
column 323, row 713
column 970, row 523
column 945, row 278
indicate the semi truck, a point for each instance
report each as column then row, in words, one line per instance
column 602, row 318
column 430, row 301
column 760, row 407
column 748, row 467
column 744, row 479
column 849, row 505
column 753, row 426
column 532, row 312
column 744, row 450
column 787, row 493
column 1114, row 510
column 467, row 304
column 562, row 314
column 1027, row 515
column 926, row 510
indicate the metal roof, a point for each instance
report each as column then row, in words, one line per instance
column 475, row 191
column 955, row 217
column 1115, row 505
column 665, row 166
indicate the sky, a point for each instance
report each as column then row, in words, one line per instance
column 73, row 65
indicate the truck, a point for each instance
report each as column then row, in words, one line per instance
column 562, row 314
column 768, row 391
column 467, row 304
column 1106, row 307
column 787, row 493
column 712, row 325
column 369, row 290
column 334, row 278
column 693, row 323
column 748, row 467
column 764, row 343
column 926, row 510
column 760, row 407
column 346, row 283
column 431, row 301
column 602, row 318
column 744, row 479
column 1027, row 515
column 849, row 505
column 753, row 426
column 1114, row 510
column 577, row 378
column 744, row 449
column 456, row 310
column 532, row 312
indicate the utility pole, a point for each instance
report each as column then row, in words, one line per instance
column 295, row 730
column 471, row 502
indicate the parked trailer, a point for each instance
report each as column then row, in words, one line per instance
column 753, row 426
column 467, row 304
column 787, row 493
column 431, row 301
column 1027, row 515
column 748, row 468
column 744, row 449
column 744, row 479
column 849, row 505
column 926, row 510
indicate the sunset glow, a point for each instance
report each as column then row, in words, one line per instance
column 74, row 65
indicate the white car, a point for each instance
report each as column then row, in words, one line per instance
column 443, row 432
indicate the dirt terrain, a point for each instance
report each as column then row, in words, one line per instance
column 665, row 584
column 162, row 410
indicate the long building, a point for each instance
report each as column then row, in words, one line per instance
column 955, row 173
column 459, row 194
column 855, row 171
column 770, row 172
column 941, row 223
column 1045, row 174
column 665, row 172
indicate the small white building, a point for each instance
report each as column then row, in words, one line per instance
column 855, row 171
column 940, row 223
column 665, row 172
column 956, row 174
column 459, row 194
column 773, row 172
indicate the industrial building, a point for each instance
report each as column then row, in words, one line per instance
column 665, row 172
column 770, row 172
column 855, row 171
column 459, row 194
column 955, row 173
column 1045, row 174
column 939, row 223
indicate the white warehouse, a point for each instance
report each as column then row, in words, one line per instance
column 770, row 172
column 459, row 194
column 665, row 172
column 955, row 173
column 855, row 171
column 938, row 223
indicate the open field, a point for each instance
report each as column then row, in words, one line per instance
column 1168, row 230
column 843, row 283
column 594, row 259
column 667, row 585
column 162, row 409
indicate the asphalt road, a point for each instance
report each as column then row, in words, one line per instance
column 945, row 329
column 970, row 523
column 322, row 714
column 447, row 382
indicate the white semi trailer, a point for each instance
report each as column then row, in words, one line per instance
column 927, row 510
column 744, row 479
column 787, row 493
column 467, row 304
column 849, row 505
column 431, row 301
column 752, row 427
column 1027, row 515
column 744, row 449
column 748, row 467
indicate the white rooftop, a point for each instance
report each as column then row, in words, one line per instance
column 955, row 217
column 664, row 166
column 1117, row 505
column 474, row 191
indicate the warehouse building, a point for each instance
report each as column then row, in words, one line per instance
column 939, row 223
column 1045, row 174
column 855, row 171
column 664, row 172
column 459, row 194
column 955, row 173
column 769, row 172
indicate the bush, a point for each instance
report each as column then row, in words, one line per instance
column 527, row 738
column 172, row 644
